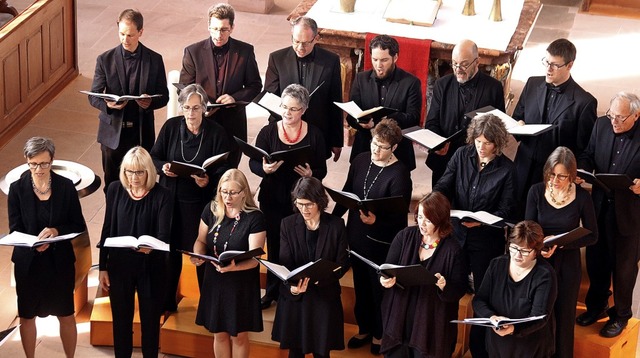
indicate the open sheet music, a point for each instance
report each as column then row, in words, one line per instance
column 18, row 238
column 429, row 139
column 187, row 169
column 411, row 275
column 513, row 127
column 567, row 237
column 486, row 322
column 226, row 257
column 353, row 202
column 364, row 116
column 130, row 242
column 317, row 271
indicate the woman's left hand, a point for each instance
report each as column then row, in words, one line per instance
column 549, row 252
column 303, row 171
column 46, row 233
column 201, row 181
column 145, row 250
column 470, row 224
column 222, row 269
column 368, row 218
column 302, row 286
column 504, row 330
column 441, row 281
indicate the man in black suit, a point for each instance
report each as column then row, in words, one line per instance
column 614, row 148
column 464, row 90
column 128, row 69
column 227, row 70
column 552, row 99
column 313, row 67
column 389, row 86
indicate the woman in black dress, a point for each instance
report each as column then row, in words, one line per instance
column 559, row 206
column 135, row 206
column 518, row 285
column 372, row 175
column 416, row 319
column 309, row 316
column 44, row 204
column 229, row 304
column 189, row 139
column 278, row 178
column 478, row 177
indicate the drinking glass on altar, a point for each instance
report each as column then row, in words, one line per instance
column 347, row 5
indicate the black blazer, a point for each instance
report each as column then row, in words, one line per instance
column 241, row 81
column 66, row 216
column 322, row 113
column 573, row 119
column 403, row 94
column 446, row 113
column 110, row 78
column 597, row 156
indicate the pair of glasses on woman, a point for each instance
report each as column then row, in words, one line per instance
column 523, row 252
column 42, row 165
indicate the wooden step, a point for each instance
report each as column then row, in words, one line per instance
column 589, row 343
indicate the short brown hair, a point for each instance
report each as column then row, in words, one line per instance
column 527, row 233
column 492, row 128
column 564, row 156
column 221, row 12
column 311, row 189
column 388, row 130
column 437, row 209
column 133, row 16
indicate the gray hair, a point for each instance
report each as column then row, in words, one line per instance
column 190, row 90
column 306, row 22
column 297, row 92
column 634, row 101
column 37, row 145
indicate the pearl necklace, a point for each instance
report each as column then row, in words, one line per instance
column 286, row 136
column 198, row 152
column 364, row 185
column 38, row 191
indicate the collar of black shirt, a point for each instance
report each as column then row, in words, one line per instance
column 628, row 134
column 472, row 83
column 131, row 55
column 220, row 50
column 559, row 89
column 384, row 81
column 308, row 58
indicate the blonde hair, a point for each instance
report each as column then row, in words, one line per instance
column 137, row 158
column 217, row 205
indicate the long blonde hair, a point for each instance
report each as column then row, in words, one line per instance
column 217, row 205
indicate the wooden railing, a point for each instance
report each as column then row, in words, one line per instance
column 38, row 58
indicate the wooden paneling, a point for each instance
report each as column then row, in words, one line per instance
column 38, row 56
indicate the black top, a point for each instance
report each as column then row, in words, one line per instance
column 393, row 180
column 534, row 295
column 124, row 216
column 419, row 315
column 275, row 188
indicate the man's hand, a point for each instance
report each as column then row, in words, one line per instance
column 144, row 103
column 444, row 150
column 116, row 105
column 336, row 153
column 225, row 99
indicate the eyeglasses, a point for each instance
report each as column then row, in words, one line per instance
column 560, row 177
column 137, row 173
column 523, row 252
column 375, row 145
column 302, row 43
column 230, row 193
column 291, row 109
column 306, row 206
column 462, row 66
column 189, row 108
column 223, row 30
column 555, row 66
column 618, row 119
column 423, row 218
column 43, row 165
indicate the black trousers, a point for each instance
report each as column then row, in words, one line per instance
column 273, row 215
column 368, row 292
column 568, row 267
column 112, row 158
column 613, row 255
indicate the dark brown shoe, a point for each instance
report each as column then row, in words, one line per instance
column 590, row 317
column 613, row 328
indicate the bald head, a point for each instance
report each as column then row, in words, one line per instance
column 464, row 60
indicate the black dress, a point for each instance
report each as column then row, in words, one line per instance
column 534, row 295
column 311, row 322
column 419, row 316
column 230, row 301
column 45, row 280
column 566, row 260
column 275, row 188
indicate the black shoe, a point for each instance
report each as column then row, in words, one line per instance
column 613, row 328
column 590, row 317
column 265, row 302
column 356, row 342
column 375, row 349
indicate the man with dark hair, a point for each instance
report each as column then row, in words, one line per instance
column 313, row 67
column 389, row 86
column 128, row 69
column 614, row 148
column 552, row 99
column 226, row 68
column 464, row 90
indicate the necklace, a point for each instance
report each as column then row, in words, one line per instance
column 559, row 201
column 364, row 186
column 286, row 136
column 38, row 191
column 199, row 146
column 430, row 246
column 138, row 197
column 217, row 233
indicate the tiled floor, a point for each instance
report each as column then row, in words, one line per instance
column 607, row 51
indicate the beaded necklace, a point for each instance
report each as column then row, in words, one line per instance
column 430, row 246
column 553, row 197
column 198, row 152
column 286, row 136
column 217, row 233
column 38, row 191
column 364, row 185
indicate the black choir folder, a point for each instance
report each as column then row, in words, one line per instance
column 567, row 237
column 226, row 257
column 365, row 116
column 317, row 271
column 291, row 157
column 607, row 181
column 130, row 242
column 18, row 238
column 482, row 217
column 271, row 102
column 210, row 106
column 412, row 275
column 486, row 322
column 116, row 98
column 380, row 205
column 513, row 127
column 187, row 169
column 429, row 139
